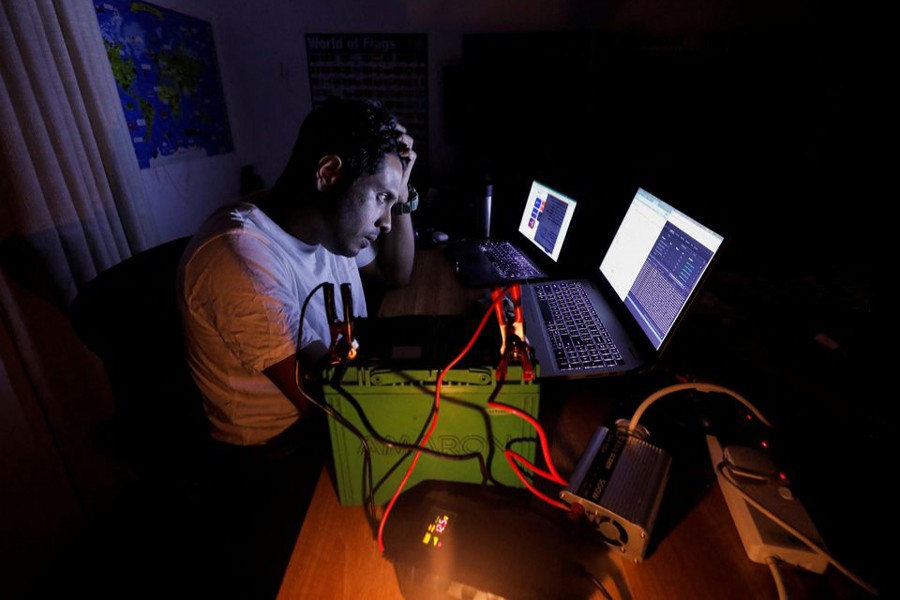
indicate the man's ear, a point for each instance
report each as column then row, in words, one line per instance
column 328, row 172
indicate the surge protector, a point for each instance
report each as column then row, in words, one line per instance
column 762, row 537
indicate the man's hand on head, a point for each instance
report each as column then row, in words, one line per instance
column 396, row 250
column 407, row 157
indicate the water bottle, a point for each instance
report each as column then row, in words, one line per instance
column 486, row 201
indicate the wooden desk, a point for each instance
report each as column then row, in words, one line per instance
column 697, row 555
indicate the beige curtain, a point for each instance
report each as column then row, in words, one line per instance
column 72, row 204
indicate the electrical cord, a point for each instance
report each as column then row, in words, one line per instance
column 437, row 400
column 327, row 409
column 772, row 563
column 303, row 311
column 722, row 467
column 582, row 571
column 515, row 459
column 336, row 384
column 700, row 387
column 367, row 452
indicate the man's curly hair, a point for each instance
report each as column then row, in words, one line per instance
column 360, row 132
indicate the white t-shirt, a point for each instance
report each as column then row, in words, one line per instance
column 242, row 282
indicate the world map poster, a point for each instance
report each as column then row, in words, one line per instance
column 165, row 67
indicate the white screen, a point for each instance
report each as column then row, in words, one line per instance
column 656, row 261
column 546, row 218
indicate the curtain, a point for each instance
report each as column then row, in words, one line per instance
column 72, row 191
column 72, row 203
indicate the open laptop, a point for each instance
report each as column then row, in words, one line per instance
column 649, row 275
column 543, row 226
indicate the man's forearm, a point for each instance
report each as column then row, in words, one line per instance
column 397, row 251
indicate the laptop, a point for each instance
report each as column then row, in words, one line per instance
column 543, row 227
column 621, row 319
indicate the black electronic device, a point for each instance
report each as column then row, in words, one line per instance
column 464, row 540
column 533, row 255
column 620, row 319
column 424, row 341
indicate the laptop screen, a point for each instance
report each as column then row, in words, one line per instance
column 546, row 218
column 656, row 261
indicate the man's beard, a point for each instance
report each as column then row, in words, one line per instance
column 334, row 209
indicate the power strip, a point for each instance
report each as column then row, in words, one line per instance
column 762, row 537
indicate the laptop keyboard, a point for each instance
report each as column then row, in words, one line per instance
column 579, row 338
column 509, row 262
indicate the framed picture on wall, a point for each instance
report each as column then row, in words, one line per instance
column 392, row 68
column 167, row 74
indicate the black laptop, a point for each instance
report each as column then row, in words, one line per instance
column 543, row 226
column 620, row 320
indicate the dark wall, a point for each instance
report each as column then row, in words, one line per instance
column 756, row 132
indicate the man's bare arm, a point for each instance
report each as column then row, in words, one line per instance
column 298, row 376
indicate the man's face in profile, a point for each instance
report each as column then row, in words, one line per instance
column 364, row 211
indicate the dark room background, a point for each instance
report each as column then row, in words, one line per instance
column 765, row 119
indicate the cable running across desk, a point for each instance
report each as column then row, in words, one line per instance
column 437, row 400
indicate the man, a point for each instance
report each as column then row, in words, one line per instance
column 340, row 207
column 248, row 271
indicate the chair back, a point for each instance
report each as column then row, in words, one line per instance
column 128, row 316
